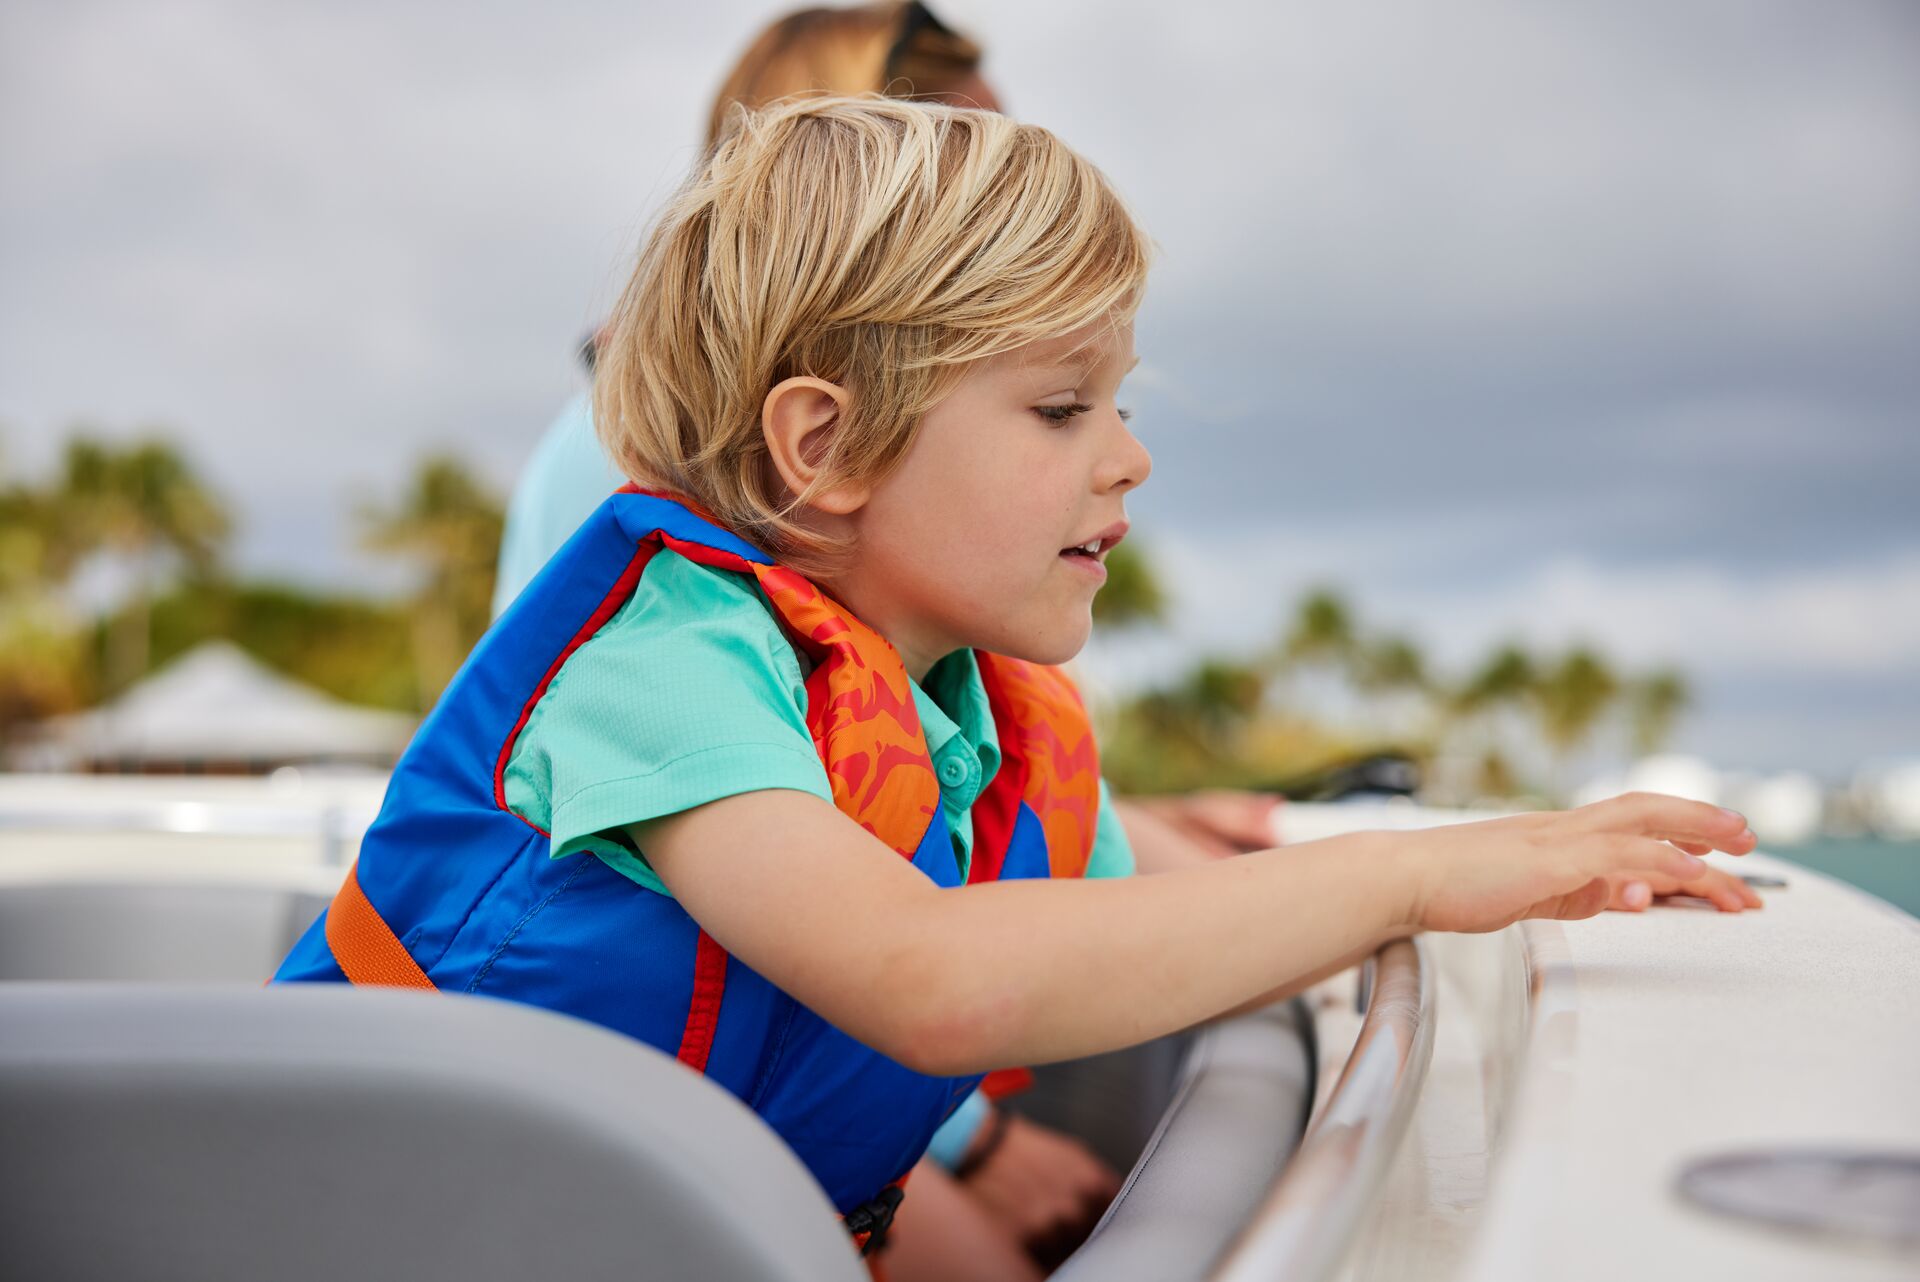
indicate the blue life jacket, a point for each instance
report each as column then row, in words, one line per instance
column 454, row 891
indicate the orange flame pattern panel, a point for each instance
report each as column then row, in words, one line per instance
column 1056, row 740
column 860, row 712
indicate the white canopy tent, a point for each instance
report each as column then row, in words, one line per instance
column 219, row 708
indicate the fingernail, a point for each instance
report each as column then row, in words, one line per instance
column 1746, row 834
column 1733, row 814
column 1695, row 862
column 1639, row 895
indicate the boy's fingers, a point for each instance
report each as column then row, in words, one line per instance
column 1634, row 857
column 1584, row 902
column 1631, row 895
column 1674, row 819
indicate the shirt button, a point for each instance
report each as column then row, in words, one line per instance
column 952, row 771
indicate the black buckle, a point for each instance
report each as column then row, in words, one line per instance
column 874, row 1217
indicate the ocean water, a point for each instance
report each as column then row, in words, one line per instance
column 1889, row 869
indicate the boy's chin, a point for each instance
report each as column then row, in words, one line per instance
column 1049, row 649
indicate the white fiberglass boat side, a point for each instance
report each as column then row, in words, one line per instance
column 1580, row 1068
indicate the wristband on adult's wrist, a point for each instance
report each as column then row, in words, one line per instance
column 984, row 1145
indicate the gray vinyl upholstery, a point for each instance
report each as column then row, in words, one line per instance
column 206, row 1133
column 1111, row 1102
column 144, row 928
column 160, row 1131
column 1235, row 1117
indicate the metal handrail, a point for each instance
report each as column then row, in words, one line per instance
column 1307, row 1222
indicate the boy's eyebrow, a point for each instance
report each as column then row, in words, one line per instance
column 1084, row 361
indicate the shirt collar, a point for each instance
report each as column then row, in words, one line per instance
column 954, row 702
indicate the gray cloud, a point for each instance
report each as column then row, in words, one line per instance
column 1453, row 302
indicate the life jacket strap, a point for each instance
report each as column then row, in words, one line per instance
column 364, row 946
column 869, row 1221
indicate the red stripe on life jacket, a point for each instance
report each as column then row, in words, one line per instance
column 703, row 1012
column 609, row 606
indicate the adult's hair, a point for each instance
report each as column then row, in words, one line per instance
column 878, row 244
column 895, row 48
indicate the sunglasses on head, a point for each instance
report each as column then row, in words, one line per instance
column 914, row 19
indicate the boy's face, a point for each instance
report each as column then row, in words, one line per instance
column 966, row 543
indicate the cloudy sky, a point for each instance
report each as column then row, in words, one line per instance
column 1587, row 321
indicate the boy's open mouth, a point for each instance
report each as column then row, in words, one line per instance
column 1099, row 545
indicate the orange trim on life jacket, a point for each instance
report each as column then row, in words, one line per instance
column 860, row 713
column 364, row 946
column 1043, row 727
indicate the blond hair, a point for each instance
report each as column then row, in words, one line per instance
column 880, row 245
column 896, row 48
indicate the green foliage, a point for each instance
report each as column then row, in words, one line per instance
column 139, row 501
column 352, row 648
column 1322, row 631
column 1389, row 663
column 1226, row 723
column 1506, row 677
column 1654, row 703
column 1132, row 594
column 143, row 505
column 449, row 525
column 1572, row 694
column 1223, row 723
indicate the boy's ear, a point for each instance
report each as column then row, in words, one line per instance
column 798, row 419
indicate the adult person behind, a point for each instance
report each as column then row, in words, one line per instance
column 900, row 49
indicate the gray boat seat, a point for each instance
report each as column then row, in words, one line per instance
column 146, row 1110
column 1235, row 1117
column 309, row 1134
column 134, row 926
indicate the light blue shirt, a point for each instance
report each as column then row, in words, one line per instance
column 568, row 477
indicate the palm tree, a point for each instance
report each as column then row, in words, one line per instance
column 1654, row 702
column 1222, row 694
column 1572, row 697
column 1132, row 594
column 449, row 525
column 1322, row 631
column 142, row 505
column 1506, row 678
column 1390, row 670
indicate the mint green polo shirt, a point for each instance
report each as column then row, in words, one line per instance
column 691, row 693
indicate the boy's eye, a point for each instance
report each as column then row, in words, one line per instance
column 1060, row 413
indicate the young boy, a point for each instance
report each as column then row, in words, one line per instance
column 770, row 768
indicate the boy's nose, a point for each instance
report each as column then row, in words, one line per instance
column 1128, row 466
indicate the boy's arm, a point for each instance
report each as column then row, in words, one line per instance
column 957, row 981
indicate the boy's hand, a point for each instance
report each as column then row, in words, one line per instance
column 1724, row 890
column 1484, row 876
column 1046, row 1187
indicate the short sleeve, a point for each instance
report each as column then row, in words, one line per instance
column 1112, row 853
column 689, row 694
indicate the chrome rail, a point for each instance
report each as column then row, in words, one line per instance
column 1303, row 1229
